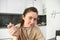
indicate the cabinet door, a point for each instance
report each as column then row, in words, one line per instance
column 39, row 5
column 36, row 3
column 12, row 6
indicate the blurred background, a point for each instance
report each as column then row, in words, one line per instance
column 49, row 12
column 11, row 10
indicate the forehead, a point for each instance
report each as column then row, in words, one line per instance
column 32, row 14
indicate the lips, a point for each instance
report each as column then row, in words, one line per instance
column 31, row 25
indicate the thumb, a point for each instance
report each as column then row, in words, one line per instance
column 10, row 25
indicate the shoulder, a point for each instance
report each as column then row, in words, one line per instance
column 39, row 34
column 36, row 28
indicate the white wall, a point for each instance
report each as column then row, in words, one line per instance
column 4, row 33
column 18, row 6
column 53, row 24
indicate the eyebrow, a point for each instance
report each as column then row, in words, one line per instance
column 33, row 17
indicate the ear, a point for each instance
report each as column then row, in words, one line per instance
column 23, row 17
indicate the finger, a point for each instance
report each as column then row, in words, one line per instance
column 16, row 33
column 13, row 30
column 10, row 25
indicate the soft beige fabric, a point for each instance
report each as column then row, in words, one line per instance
column 34, row 34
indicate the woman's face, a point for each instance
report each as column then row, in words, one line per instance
column 30, row 19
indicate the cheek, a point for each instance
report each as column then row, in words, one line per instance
column 27, row 21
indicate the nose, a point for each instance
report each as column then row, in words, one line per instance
column 32, row 21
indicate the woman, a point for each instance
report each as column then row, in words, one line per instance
column 27, row 29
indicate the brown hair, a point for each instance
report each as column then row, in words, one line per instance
column 33, row 9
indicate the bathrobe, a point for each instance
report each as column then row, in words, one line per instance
column 33, row 33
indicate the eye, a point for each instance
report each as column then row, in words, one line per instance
column 35, row 19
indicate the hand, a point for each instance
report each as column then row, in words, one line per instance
column 14, row 31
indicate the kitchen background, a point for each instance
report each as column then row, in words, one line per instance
column 49, row 8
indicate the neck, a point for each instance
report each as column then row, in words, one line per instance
column 25, row 25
